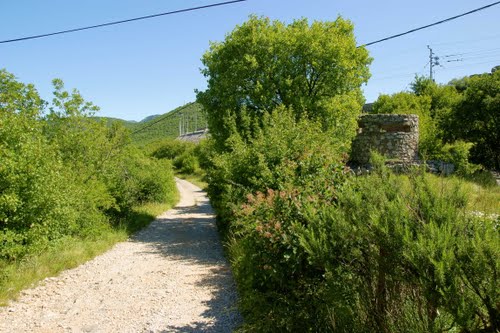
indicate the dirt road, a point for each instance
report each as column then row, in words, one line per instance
column 171, row 277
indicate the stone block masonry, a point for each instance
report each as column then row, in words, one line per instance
column 393, row 135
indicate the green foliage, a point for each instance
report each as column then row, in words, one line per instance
column 315, row 69
column 141, row 180
column 458, row 154
column 477, row 118
column 315, row 250
column 186, row 163
column 130, row 125
column 380, row 253
column 282, row 154
column 184, row 155
column 35, row 203
column 64, row 174
column 169, row 148
column 190, row 115
column 452, row 116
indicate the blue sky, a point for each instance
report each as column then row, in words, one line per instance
column 151, row 67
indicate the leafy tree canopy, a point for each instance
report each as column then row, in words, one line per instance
column 477, row 118
column 314, row 69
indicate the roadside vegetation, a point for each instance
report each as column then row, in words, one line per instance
column 70, row 185
column 187, row 158
column 316, row 249
column 313, row 247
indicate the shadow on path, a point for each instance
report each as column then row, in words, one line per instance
column 188, row 234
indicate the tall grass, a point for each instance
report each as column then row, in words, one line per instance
column 485, row 199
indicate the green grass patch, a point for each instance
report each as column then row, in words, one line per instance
column 481, row 198
column 70, row 252
column 484, row 199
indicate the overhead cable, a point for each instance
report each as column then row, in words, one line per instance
column 120, row 22
column 159, row 119
column 432, row 24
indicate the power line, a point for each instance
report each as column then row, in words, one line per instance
column 471, row 64
column 160, row 119
column 478, row 52
column 432, row 24
column 467, row 41
column 120, row 22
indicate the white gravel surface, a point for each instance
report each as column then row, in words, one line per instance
column 170, row 277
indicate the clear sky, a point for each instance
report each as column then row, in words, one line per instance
column 151, row 67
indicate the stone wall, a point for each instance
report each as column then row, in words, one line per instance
column 393, row 135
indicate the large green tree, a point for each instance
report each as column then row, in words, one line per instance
column 477, row 118
column 315, row 69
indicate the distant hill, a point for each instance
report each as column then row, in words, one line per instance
column 148, row 118
column 130, row 124
column 187, row 118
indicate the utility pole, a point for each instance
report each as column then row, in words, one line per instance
column 433, row 61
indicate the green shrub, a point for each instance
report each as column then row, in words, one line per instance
column 187, row 163
column 273, row 276
column 169, row 148
column 458, row 154
column 184, row 155
column 65, row 174
column 378, row 253
column 282, row 154
column 35, row 205
column 141, row 179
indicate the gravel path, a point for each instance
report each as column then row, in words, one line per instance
column 171, row 277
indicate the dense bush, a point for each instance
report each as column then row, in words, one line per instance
column 63, row 173
column 139, row 180
column 276, row 161
column 458, row 154
column 35, row 204
column 169, row 148
column 476, row 118
column 184, row 155
column 313, row 249
column 379, row 253
column 279, row 155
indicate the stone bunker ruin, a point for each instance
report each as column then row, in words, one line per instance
column 393, row 135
